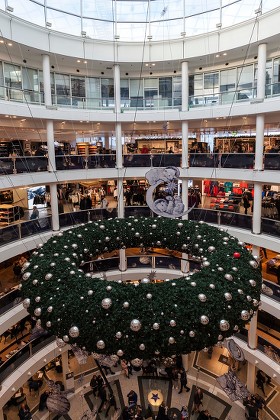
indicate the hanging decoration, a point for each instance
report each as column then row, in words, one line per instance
column 167, row 318
column 170, row 203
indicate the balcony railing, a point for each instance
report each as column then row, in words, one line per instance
column 140, row 103
column 29, row 164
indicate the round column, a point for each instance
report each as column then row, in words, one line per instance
column 54, row 207
column 118, row 128
column 50, row 143
column 257, row 209
column 119, row 163
column 185, row 265
column 185, row 144
column 251, row 377
column 259, row 143
column 185, row 107
column 123, row 262
column 120, row 202
column 261, row 71
column 47, row 79
column 185, row 197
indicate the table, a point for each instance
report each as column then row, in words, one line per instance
column 174, row 414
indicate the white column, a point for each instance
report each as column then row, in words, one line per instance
column 257, row 209
column 185, row 144
column 252, row 333
column 107, row 142
column 259, row 143
column 117, row 88
column 54, row 207
column 120, row 202
column 185, row 86
column 185, row 196
column 185, row 361
column 119, row 163
column 185, row 265
column 123, row 262
column 50, row 143
column 185, row 107
column 65, row 367
column 261, row 71
column 47, row 80
column 251, row 377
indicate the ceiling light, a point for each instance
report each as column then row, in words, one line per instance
column 153, row 64
column 10, row 44
column 1, row 41
column 78, row 61
column 217, row 55
column 85, row 62
column 146, row 64
column 224, row 53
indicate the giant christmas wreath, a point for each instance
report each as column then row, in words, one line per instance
column 172, row 317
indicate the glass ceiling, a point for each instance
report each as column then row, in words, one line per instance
column 136, row 20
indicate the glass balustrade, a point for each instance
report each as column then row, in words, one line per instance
column 9, row 300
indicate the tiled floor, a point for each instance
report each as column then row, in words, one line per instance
column 202, row 372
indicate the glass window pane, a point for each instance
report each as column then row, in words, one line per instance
column 30, row 79
column 28, row 10
column 131, row 10
column 151, row 83
column 124, row 88
column 65, row 6
column 276, row 70
column 99, row 9
column 107, row 88
column 245, row 77
column 167, row 29
column 198, row 84
column 62, row 86
column 165, row 87
column 98, row 29
column 12, row 75
column 78, row 86
column 131, row 31
column 62, row 22
column 227, row 80
column 136, row 88
column 93, row 87
column 202, row 23
column 211, row 80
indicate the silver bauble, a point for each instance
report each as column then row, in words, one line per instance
column 254, row 263
column 149, row 296
column 206, row 263
column 137, row 234
column 48, row 324
column 228, row 277
column 228, row 296
column 198, row 236
column 220, row 337
column 224, row 325
column 235, row 328
column 135, row 325
column 50, row 309
column 212, row 286
column 26, row 303
column 255, row 302
column 118, row 334
column 72, row 272
column 142, row 346
column 172, row 323
column 145, row 281
column 48, row 276
column 234, row 269
column 225, row 238
column 241, row 243
column 137, row 362
column 90, row 292
column 220, row 269
column 109, row 288
column 245, row 315
column 88, row 275
column 102, row 227
column 202, row 297
column 65, row 338
column 35, row 281
column 154, row 226
column 67, row 259
column 37, row 299
column 171, row 340
column 182, row 332
column 120, row 353
column 37, row 311
column 240, row 291
column 106, row 303
column 126, row 304
column 249, row 298
column 252, row 282
column 26, row 275
column 74, row 332
column 52, row 264
column 211, row 248
column 59, row 342
column 75, row 246
column 180, row 225
column 204, row 320
column 155, row 326
column 100, row 344
column 193, row 283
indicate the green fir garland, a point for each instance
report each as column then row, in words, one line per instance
column 172, row 317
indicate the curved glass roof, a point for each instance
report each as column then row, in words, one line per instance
column 136, row 20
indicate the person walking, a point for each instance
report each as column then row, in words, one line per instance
column 103, row 396
column 94, row 385
column 197, row 400
column 111, row 403
column 183, row 381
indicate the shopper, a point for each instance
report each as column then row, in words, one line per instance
column 24, row 412
column 35, row 213
column 94, row 385
column 103, row 396
column 111, row 403
column 132, row 398
column 183, row 381
column 260, row 380
column 197, row 400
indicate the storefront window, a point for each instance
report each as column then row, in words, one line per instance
column 136, row 92
column 62, row 86
column 107, row 92
column 93, row 92
column 30, row 82
column 177, row 91
column 13, row 81
column 165, row 89
column 245, row 79
column 78, row 90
